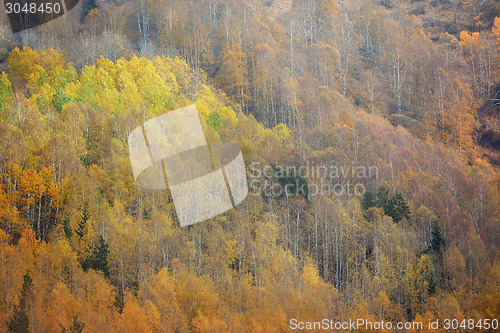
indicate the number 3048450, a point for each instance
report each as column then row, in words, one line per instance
column 33, row 8
column 471, row 324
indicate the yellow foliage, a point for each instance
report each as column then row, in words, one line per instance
column 346, row 120
column 9, row 215
column 134, row 317
column 283, row 133
column 496, row 29
column 29, row 239
column 62, row 307
column 27, row 61
column 310, row 276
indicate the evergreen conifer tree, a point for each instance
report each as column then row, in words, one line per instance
column 67, row 228
column 85, row 218
column 397, row 208
column 98, row 260
column 382, row 197
column 438, row 241
column 368, row 200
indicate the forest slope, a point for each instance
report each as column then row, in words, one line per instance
column 347, row 84
column 68, row 198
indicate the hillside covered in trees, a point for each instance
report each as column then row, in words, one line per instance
column 409, row 89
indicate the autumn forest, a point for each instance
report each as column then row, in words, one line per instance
column 408, row 90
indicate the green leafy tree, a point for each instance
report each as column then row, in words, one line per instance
column 215, row 120
column 59, row 99
column 5, row 90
